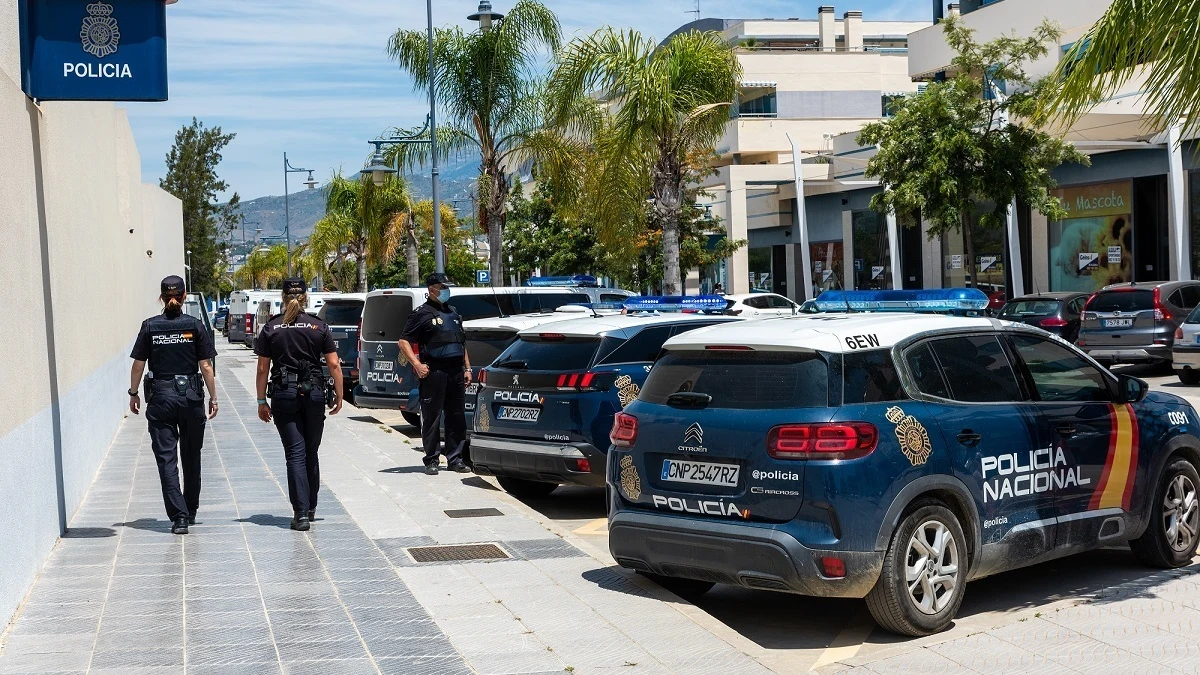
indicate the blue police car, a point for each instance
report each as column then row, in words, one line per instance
column 546, row 404
column 892, row 458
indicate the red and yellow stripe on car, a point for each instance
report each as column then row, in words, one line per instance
column 1120, row 468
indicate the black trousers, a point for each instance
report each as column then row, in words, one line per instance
column 443, row 391
column 177, row 433
column 300, row 420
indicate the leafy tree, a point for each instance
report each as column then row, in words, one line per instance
column 539, row 235
column 951, row 151
column 461, row 262
column 265, row 267
column 1158, row 33
column 363, row 223
column 669, row 101
column 492, row 98
column 192, row 177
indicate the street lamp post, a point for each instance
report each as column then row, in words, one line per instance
column 189, row 271
column 287, row 216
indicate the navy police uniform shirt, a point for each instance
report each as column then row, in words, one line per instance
column 173, row 345
column 423, row 324
column 299, row 345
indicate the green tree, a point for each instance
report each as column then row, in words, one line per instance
column 364, row 223
column 265, row 267
column 669, row 100
column 540, row 235
column 491, row 98
column 1154, row 39
column 950, row 151
column 461, row 263
column 192, row 177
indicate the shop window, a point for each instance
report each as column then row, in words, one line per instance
column 872, row 265
column 1093, row 246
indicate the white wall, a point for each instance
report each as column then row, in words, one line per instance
column 98, row 220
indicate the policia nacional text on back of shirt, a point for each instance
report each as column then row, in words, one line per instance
column 178, row 349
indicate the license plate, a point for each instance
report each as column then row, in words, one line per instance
column 514, row 414
column 385, row 365
column 340, row 336
column 700, row 473
column 1118, row 323
column 472, row 389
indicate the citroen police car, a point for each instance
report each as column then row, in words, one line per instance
column 892, row 457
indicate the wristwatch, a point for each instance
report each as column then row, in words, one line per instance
column 132, row 392
column 262, row 401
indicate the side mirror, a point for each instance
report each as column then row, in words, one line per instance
column 1132, row 389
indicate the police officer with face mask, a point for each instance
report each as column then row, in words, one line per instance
column 445, row 371
column 175, row 345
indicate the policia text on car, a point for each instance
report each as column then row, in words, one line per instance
column 176, row 345
column 290, row 348
column 437, row 330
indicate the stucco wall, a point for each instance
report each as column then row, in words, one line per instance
column 98, row 220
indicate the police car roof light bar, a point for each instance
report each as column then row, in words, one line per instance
column 675, row 303
column 932, row 300
column 578, row 280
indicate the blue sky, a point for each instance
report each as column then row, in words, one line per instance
column 312, row 76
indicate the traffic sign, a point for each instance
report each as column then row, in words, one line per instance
column 483, row 276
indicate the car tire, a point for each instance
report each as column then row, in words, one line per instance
column 412, row 418
column 1174, row 530
column 921, row 536
column 521, row 487
column 688, row 589
column 1189, row 376
column 348, row 393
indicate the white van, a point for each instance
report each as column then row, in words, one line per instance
column 387, row 382
column 243, row 305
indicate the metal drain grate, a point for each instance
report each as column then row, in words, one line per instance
column 473, row 513
column 459, row 552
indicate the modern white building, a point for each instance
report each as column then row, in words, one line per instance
column 805, row 81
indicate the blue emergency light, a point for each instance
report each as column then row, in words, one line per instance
column 676, row 303
column 960, row 301
column 579, row 280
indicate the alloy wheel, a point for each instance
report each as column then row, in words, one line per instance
column 1181, row 513
column 931, row 567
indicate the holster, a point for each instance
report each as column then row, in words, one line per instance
column 330, row 392
column 148, row 387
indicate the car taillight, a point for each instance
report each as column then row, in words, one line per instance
column 249, row 322
column 552, row 337
column 826, row 440
column 1052, row 322
column 483, row 376
column 1179, row 333
column 578, row 381
column 1161, row 313
column 624, row 430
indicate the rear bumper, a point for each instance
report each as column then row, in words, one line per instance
column 1142, row 354
column 742, row 555
column 537, row 460
column 1185, row 357
column 376, row 402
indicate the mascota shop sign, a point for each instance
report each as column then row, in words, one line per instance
column 80, row 50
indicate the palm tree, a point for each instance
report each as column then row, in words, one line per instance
column 363, row 222
column 264, row 267
column 668, row 101
column 486, row 84
column 1159, row 33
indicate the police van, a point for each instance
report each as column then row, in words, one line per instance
column 892, row 458
column 343, row 313
column 243, row 305
column 386, row 381
column 545, row 405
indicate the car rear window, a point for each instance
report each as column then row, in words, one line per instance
column 548, row 302
column 560, row 355
column 870, row 377
column 341, row 312
column 483, row 346
column 742, row 379
column 1121, row 301
column 483, row 306
column 1019, row 308
column 384, row 317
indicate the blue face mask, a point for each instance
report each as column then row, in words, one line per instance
column 444, row 295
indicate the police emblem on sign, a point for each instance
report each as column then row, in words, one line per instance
column 631, row 483
column 914, row 439
column 99, row 33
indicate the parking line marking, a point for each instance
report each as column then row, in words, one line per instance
column 593, row 529
column 848, row 642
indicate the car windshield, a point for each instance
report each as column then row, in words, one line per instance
column 1121, row 301
column 1031, row 307
column 342, row 313
column 742, row 379
column 558, row 354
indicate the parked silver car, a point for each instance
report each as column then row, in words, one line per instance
column 1136, row 323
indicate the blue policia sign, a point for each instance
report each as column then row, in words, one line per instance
column 94, row 50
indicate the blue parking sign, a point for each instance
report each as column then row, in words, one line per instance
column 483, row 276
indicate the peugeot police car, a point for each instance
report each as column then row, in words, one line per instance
column 892, row 457
column 545, row 405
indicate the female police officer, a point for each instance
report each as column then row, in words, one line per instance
column 289, row 349
column 175, row 344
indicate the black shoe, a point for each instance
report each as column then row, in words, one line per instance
column 300, row 522
column 431, row 470
column 461, row 468
column 180, row 526
column 191, row 519
column 312, row 515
